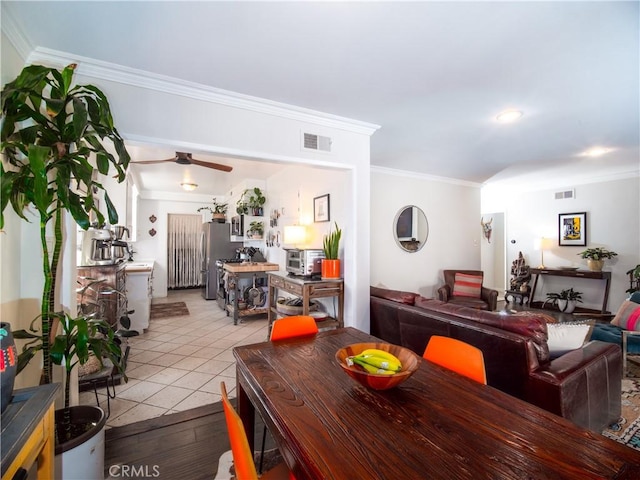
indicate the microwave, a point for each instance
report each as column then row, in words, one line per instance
column 305, row 262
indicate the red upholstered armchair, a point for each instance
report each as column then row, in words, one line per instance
column 464, row 287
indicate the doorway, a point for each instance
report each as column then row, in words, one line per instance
column 493, row 252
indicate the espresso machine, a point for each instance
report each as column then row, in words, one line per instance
column 97, row 247
column 120, row 248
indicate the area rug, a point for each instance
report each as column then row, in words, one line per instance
column 164, row 310
column 627, row 429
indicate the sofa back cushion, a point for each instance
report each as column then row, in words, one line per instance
column 399, row 296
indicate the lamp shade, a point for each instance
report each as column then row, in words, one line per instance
column 295, row 234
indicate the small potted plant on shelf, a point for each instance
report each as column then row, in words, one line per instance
column 596, row 256
column 218, row 212
column 251, row 200
column 256, row 230
column 634, row 279
column 565, row 300
column 331, row 262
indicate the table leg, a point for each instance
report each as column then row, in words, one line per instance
column 247, row 414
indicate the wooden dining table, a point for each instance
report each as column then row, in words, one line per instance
column 435, row 425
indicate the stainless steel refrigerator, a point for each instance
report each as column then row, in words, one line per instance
column 216, row 245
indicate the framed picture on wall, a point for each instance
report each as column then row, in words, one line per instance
column 572, row 229
column 321, row 208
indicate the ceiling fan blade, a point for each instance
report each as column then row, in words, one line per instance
column 215, row 166
column 156, row 161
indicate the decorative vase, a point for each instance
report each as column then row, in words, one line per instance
column 595, row 265
column 8, row 364
column 566, row 306
column 330, row 268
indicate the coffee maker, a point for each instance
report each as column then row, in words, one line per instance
column 97, row 246
column 119, row 246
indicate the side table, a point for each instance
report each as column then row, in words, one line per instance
column 517, row 296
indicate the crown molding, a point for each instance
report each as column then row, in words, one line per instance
column 162, row 83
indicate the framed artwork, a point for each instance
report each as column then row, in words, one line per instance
column 572, row 229
column 321, row 208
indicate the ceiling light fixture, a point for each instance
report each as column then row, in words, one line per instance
column 509, row 116
column 596, row 151
column 189, row 187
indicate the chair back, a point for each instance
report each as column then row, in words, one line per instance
column 458, row 356
column 242, row 455
column 294, row 326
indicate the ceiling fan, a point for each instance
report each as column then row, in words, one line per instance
column 183, row 158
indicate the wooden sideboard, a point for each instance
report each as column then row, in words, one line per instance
column 603, row 277
column 114, row 303
column 28, row 431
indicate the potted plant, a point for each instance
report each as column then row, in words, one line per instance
column 331, row 245
column 565, row 300
column 634, row 279
column 251, row 199
column 596, row 256
column 51, row 129
column 256, row 230
column 218, row 212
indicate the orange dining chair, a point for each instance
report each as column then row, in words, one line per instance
column 294, row 326
column 242, row 456
column 458, row 356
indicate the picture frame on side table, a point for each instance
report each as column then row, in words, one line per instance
column 572, row 229
column 321, row 211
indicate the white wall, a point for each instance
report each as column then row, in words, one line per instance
column 453, row 213
column 613, row 222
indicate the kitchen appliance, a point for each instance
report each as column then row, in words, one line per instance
column 215, row 245
column 120, row 247
column 304, row 262
column 96, row 247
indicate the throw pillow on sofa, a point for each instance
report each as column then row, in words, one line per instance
column 466, row 285
column 567, row 336
column 628, row 316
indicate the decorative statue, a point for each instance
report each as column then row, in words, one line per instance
column 521, row 274
column 486, row 229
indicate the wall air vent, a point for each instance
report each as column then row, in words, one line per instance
column 318, row 143
column 565, row 194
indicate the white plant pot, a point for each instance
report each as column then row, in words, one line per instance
column 83, row 459
column 566, row 306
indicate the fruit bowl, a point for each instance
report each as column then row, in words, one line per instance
column 410, row 362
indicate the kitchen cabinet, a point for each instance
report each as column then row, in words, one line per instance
column 109, row 295
column 139, row 293
column 28, row 430
column 237, row 271
column 307, row 289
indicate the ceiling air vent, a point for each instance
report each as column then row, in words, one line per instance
column 565, row 194
column 311, row 141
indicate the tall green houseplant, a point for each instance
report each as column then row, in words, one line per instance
column 51, row 130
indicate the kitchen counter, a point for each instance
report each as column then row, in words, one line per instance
column 251, row 267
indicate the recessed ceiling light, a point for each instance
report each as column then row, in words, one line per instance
column 509, row 116
column 596, row 151
column 189, row 186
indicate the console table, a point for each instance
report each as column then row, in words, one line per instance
column 28, row 433
column 307, row 289
column 604, row 277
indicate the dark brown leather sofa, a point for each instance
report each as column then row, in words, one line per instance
column 583, row 386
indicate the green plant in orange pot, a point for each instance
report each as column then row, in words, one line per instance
column 331, row 262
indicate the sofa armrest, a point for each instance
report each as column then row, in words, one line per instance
column 583, row 385
column 444, row 293
column 491, row 297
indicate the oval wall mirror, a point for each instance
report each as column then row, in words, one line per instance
column 410, row 228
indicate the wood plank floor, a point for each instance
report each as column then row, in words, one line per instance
column 184, row 445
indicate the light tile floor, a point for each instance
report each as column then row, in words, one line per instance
column 178, row 362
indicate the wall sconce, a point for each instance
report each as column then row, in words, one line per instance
column 295, row 234
column 189, row 187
